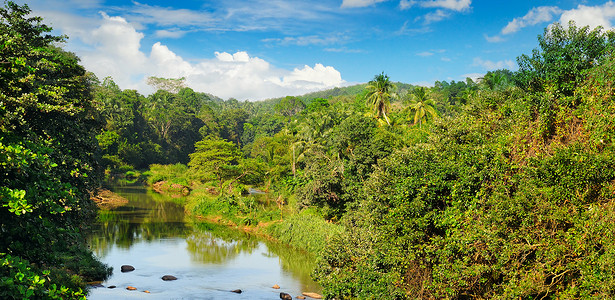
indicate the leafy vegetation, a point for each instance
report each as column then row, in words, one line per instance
column 48, row 162
column 501, row 188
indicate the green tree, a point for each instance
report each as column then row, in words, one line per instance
column 289, row 106
column 215, row 158
column 380, row 91
column 498, row 79
column 422, row 106
column 563, row 55
column 48, row 161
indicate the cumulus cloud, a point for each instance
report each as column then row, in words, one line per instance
column 592, row 16
column 491, row 65
column 115, row 50
column 535, row 16
column 359, row 3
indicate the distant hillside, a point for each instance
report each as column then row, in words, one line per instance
column 351, row 90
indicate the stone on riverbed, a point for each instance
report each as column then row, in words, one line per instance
column 169, row 277
column 127, row 268
column 238, row 291
column 285, row 296
column 131, row 288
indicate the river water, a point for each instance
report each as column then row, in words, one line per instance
column 153, row 234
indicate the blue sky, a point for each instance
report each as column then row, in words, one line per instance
column 258, row 49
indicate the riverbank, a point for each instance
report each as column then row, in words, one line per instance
column 272, row 216
column 107, row 200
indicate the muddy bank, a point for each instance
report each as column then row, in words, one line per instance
column 107, row 200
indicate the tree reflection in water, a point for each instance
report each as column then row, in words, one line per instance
column 150, row 217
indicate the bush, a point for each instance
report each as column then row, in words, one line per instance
column 19, row 280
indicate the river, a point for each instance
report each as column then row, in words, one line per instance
column 153, row 234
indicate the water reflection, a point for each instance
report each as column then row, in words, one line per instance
column 153, row 233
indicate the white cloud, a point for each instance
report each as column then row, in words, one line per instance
column 456, row 5
column 491, row 65
column 113, row 49
column 446, row 59
column 436, row 16
column 425, row 53
column 167, row 16
column 171, row 33
column 535, row 16
column 359, row 3
column 444, row 8
column 592, row 16
column 308, row 40
column 474, row 76
column 494, row 39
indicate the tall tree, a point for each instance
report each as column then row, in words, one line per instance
column 422, row 105
column 215, row 158
column 48, row 161
column 380, row 90
column 564, row 53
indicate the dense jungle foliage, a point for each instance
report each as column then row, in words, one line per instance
column 500, row 188
column 48, row 163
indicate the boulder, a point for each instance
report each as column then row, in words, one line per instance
column 169, row 277
column 131, row 288
column 275, row 286
column 301, row 297
column 127, row 268
column 285, row 296
column 238, row 291
column 111, row 287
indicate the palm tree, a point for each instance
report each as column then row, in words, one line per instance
column 379, row 91
column 422, row 106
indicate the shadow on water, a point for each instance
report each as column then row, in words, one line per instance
column 153, row 233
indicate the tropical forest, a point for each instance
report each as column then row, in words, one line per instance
column 501, row 187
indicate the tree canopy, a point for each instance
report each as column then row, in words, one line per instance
column 48, row 156
column 379, row 92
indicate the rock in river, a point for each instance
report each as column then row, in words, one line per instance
column 285, row 296
column 238, row 291
column 127, row 268
column 275, row 286
column 169, row 277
